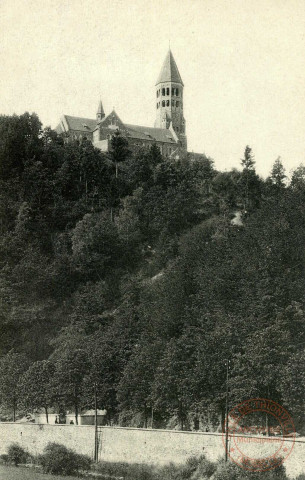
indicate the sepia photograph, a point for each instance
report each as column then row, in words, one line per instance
column 152, row 239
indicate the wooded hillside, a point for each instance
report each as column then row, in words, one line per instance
column 126, row 272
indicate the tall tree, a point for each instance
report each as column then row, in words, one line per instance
column 249, row 181
column 35, row 386
column 277, row 174
column 12, row 367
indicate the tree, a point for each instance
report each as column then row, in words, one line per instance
column 134, row 390
column 172, row 391
column 248, row 162
column 298, row 178
column 128, row 227
column 95, row 245
column 277, row 175
column 20, row 141
column 71, row 366
column 119, row 152
column 12, row 367
column 249, row 182
column 292, row 386
column 35, row 386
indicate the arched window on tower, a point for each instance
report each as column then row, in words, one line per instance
column 167, row 103
column 177, row 92
column 163, row 92
column 167, row 91
column 173, row 92
column 163, row 103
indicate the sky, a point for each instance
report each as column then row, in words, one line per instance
column 242, row 63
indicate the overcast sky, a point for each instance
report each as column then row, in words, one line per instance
column 242, row 63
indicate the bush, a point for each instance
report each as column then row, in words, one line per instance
column 231, row 471
column 128, row 471
column 59, row 460
column 16, row 454
column 181, row 472
column 4, row 458
column 205, row 469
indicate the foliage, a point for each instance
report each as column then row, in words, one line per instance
column 12, row 366
column 130, row 471
column 59, row 460
column 231, row 471
column 35, row 386
column 278, row 173
column 123, row 275
column 16, row 454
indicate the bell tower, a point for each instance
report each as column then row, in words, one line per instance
column 169, row 99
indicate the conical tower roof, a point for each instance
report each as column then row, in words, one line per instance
column 169, row 71
column 100, row 109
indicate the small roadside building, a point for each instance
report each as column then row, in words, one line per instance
column 88, row 417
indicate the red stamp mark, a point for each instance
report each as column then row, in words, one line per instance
column 261, row 435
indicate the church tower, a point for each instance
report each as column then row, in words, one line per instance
column 169, row 99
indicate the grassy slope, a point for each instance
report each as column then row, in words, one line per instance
column 20, row 473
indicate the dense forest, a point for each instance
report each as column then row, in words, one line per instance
column 140, row 277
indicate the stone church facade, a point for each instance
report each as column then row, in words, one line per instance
column 168, row 132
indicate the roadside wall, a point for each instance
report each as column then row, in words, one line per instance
column 130, row 445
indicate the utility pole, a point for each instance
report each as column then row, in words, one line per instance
column 95, row 422
column 227, row 412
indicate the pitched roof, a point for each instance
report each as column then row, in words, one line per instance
column 134, row 131
column 80, row 123
column 169, row 71
column 149, row 133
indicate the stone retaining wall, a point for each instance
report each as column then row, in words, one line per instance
column 130, row 445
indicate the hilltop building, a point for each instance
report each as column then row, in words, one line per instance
column 168, row 132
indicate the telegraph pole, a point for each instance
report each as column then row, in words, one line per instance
column 227, row 412
column 96, row 431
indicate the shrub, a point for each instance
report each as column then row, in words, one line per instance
column 128, row 471
column 179, row 472
column 59, row 460
column 231, row 471
column 16, row 454
column 4, row 458
column 205, row 469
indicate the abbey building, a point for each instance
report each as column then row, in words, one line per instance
column 168, row 132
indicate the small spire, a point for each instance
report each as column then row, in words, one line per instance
column 100, row 111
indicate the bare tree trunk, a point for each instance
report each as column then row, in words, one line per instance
column 181, row 415
column 47, row 414
column 145, row 416
column 76, row 411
